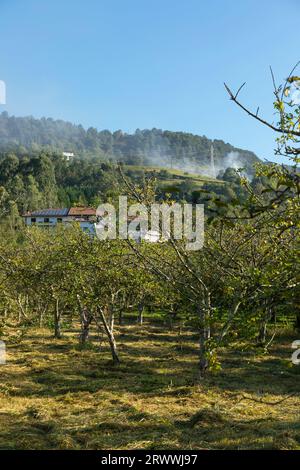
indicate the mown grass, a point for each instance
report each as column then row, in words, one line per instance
column 178, row 175
column 54, row 395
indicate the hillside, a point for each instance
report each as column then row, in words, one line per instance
column 155, row 147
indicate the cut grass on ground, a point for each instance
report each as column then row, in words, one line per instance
column 178, row 175
column 55, row 396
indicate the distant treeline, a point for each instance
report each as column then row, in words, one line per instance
column 144, row 147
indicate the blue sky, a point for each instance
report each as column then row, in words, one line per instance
column 127, row 64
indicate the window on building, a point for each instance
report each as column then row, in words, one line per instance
column 33, row 220
column 46, row 220
column 59, row 220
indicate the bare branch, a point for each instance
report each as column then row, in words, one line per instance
column 236, row 95
column 255, row 116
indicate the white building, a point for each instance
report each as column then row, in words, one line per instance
column 47, row 218
column 68, row 156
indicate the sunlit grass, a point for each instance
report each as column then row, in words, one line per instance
column 55, row 395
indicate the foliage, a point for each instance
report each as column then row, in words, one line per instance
column 145, row 147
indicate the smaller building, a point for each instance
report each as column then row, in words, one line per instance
column 150, row 236
column 68, row 156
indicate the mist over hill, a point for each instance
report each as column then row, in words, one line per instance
column 154, row 147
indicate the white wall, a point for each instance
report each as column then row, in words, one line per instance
column 85, row 225
column 40, row 220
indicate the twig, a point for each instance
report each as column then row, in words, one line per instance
column 255, row 116
column 271, row 403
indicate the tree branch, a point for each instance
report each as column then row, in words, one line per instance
column 255, row 115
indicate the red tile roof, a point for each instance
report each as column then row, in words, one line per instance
column 82, row 211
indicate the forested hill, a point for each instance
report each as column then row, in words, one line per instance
column 145, row 147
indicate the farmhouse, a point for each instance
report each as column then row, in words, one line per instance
column 88, row 220
column 68, row 156
column 85, row 216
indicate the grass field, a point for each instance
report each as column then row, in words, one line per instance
column 55, row 396
column 177, row 176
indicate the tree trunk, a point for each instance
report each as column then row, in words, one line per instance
column 22, row 308
column 233, row 311
column 42, row 310
column 57, row 321
column 204, row 336
column 262, row 335
column 203, row 350
column 122, row 308
column 140, row 318
column 41, row 317
column 180, row 337
column 297, row 323
column 172, row 317
column 121, row 311
column 86, row 319
column 111, row 317
column 110, row 336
